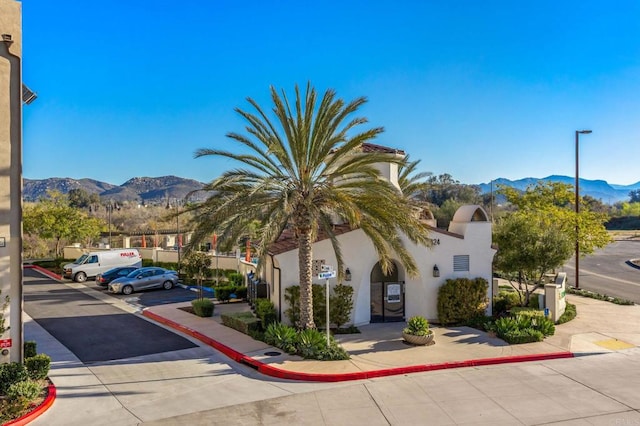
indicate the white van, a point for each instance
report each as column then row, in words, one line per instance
column 97, row 262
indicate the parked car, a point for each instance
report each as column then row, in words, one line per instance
column 144, row 279
column 104, row 279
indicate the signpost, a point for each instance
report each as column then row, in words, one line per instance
column 327, row 274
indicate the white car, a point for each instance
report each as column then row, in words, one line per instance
column 144, row 279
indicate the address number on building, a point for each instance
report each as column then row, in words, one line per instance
column 5, row 343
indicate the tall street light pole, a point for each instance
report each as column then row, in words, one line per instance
column 109, row 210
column 577, row 204
column 178, row 238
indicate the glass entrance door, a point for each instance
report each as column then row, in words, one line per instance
column 387, row 295
column 387, row 301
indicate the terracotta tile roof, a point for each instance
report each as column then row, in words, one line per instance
column 287, row 241
column 442, row 231
column 369, row 147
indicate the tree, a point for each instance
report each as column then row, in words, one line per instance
column 444, row 214
column 341, row 304
column 197, row 264
column 299, row 169
column 444, row 187
column 53, row 219
column 630, row 209
column 634, row 196
column 540, row 235
column 81, row 199
column 528, row 247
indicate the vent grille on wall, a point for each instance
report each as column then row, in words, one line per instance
column 461, row 263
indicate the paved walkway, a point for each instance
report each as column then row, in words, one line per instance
column 379, row 350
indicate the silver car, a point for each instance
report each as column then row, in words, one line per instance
column 144, row 279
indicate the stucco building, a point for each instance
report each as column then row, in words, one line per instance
column 463, row 250
column 11, row 176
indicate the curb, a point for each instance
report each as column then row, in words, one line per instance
column 43, row 271
column 269, row 370
column 39, row 410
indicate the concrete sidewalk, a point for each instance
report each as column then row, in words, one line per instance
column 197, row 386
column 379, row 350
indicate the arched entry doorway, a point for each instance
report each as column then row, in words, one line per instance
column 387, row 295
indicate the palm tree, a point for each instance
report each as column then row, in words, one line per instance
column 412, row 184
column 301, row 168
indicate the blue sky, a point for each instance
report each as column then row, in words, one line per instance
column 479, row 90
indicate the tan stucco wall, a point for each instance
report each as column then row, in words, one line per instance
column 10, row 278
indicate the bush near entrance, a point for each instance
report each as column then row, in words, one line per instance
column 461, row 299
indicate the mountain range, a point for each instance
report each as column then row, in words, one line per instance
column 159, row 189
column 139, row 189
column 598, row 189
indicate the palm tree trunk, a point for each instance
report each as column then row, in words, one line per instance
column 305, row 256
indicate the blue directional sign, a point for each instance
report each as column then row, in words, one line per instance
column 326, row 275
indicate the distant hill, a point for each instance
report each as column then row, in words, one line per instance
column 598, row 189
column 138, row 189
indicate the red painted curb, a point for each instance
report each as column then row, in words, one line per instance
column 43, row 271
column 31, row 416
column 272, row 371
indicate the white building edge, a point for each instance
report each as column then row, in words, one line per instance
column 462, row 251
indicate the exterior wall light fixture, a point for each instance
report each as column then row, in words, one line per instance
column 347, row 275
column 436, row 271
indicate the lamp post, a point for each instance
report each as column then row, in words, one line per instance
column 577, row 204
column 178, row 239
column 109, row 210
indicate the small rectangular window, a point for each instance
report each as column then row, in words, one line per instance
column 461, row 263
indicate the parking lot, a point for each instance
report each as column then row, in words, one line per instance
column 94, row 330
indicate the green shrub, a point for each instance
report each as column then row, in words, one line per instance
column 30, row 349
column 168, row 265
column 480, row 322
column 281, row 336
column 461, row 299
column 244, row 322
column 26, row 390
column 534, row 301
column 352, row 329
column 505, row 301
column 292, row 297
column 10, row 373
column 570, row 313
column 332, row 353
column 524, row 327
column 310, row 342
column 598, row 296
column 38, row 366
column 223, row 293
column 526, row 311
column 417, row 326
column 544, row 325
column 227, row 273
column 236, row 279
column 340, row 305
column 241, row 292
column 203, row 307
column 147, row 262
column 525, row 335
column 266, row 311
